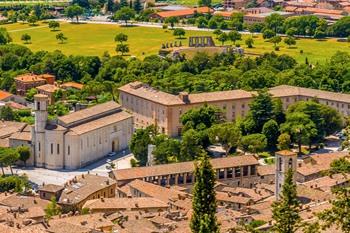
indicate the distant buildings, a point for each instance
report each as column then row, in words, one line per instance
column 153, row 107
column 182, row 13
column 29, row 81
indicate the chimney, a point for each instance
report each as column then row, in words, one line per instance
column 184, row 97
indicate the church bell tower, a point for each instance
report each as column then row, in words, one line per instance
column 40, row 107
column 285, row 160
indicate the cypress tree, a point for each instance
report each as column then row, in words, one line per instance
column 123, row 3
column 137, row 6
column 204, row 201
column 286, row 211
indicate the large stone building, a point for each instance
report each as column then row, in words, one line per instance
column 78, row 138
column 154, row 107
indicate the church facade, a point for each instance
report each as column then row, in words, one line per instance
column 79, row 138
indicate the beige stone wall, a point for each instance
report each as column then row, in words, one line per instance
column 54, row 149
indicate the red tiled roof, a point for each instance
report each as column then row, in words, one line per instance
column 4, row 94
column 181, row 13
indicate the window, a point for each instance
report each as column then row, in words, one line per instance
column 245, row 171
column 280, row 164
column 237, row 172
column 51, row 148
column 290, row 163
column 38, row 106
column 252, row 170
column 229, row 173
column 68, row 149
column 39, row 146
column 243, row 105
column 58, row 149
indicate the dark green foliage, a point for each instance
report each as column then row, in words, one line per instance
column 139, row 143
column 24, row 153
column 254, row 143
column 7, row 114
column 125, row 14
column 201, row 118
column 286, row 211
column 167, row 151
column 338, row 215
column 341, row 165
column 227, row 134
column 16, row 183
column 74, row 11
column 271, row 132
column 203, row 202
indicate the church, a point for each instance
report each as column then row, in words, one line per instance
column 79, row 138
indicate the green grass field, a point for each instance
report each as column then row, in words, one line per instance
column 95, row 39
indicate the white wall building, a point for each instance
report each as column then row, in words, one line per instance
column 79, row 138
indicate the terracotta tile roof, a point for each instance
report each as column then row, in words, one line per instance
column 23, row 136
column 318, row 163
column 321, row 10
column 285, row 90
column 17, row 200
column 28, row 78
column 16, row 106
column 266, row 170
column 99, row 123
column 144, row 91
column 52, row 188
column 7, row 128
column 176, row 168
column 182, row 13
column 301, row 4
column 326, row 183
column 88, row 113
column 156, row 191
column 119, row 204
column 227, row 197
column 5, row 95
column 72, row 85
column 313, row 195
column 8, row 229
column 81, row 222
column 255, row 194
column 48, row 88
column 290, row 8
column 82, row 187
column 286, row 153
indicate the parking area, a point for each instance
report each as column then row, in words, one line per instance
column 38, row 176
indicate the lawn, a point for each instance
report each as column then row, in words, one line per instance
column 95, row 39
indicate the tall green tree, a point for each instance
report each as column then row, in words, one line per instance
column 271, row 132
column 139, row 143
column 300, row 127
column 234, row 36
column 8, row 156
column 204, row 202
column 285, row 211
column 24, row 154
column 192, row 144
column 138, row 6
column 338, row 215
column 74, row 11
column 253, row 143
column 125, row 14
column 227, row 134
column 5, row 37
column 54, row 25
column 201, row 118
column 261, row 109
